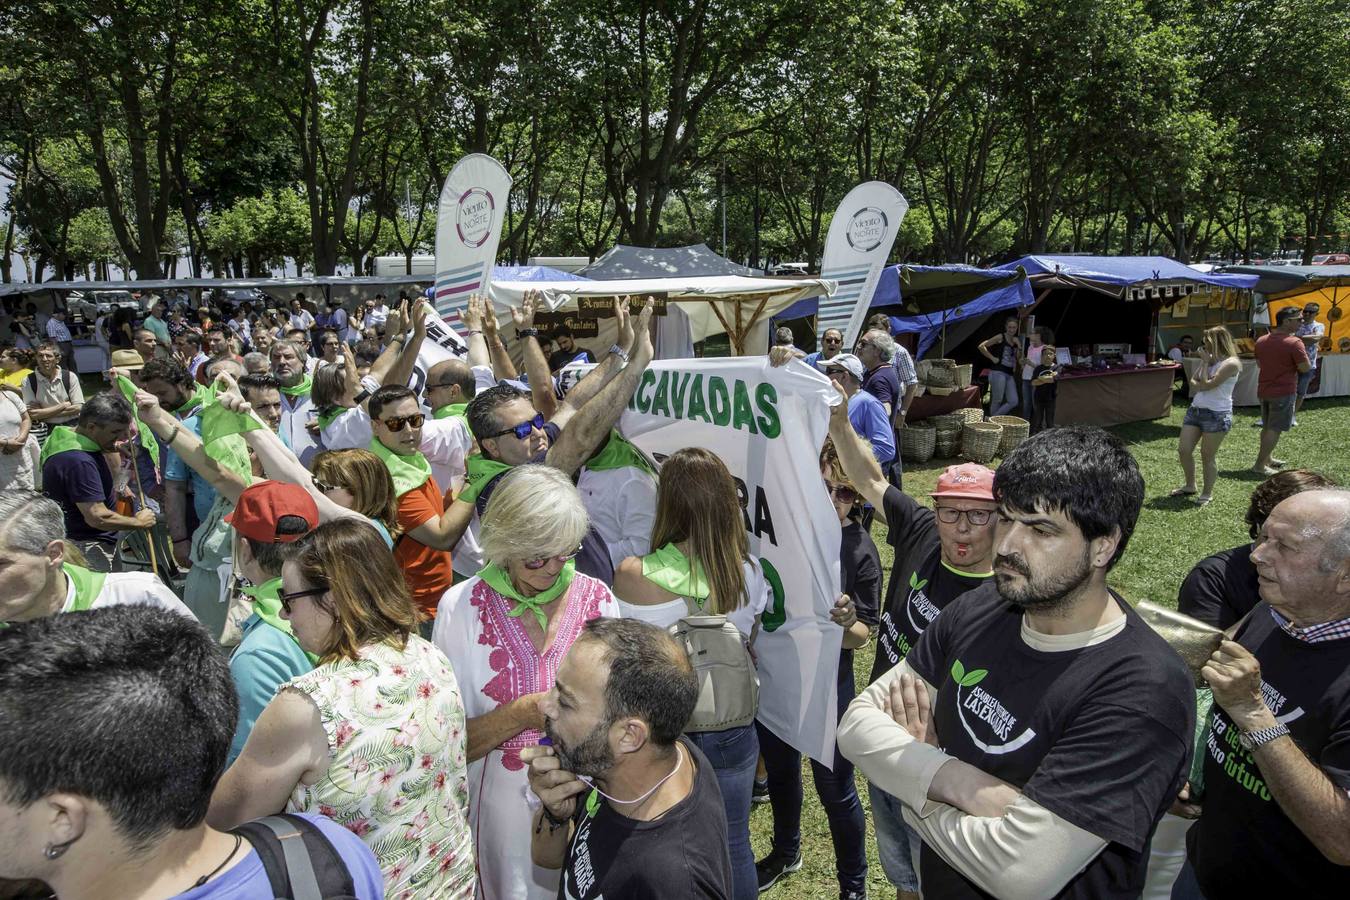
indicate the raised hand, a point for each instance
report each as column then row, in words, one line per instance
column 473, row 313
column 489, row 316
column 623, row 315
column 523, row 315
column 643, row 339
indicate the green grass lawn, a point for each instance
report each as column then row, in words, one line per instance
column 1172, row 535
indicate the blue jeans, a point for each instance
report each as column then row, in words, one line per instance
column 897, row 843
column 1028, row 407
column 835, row 789
column 733, row 754
column 1002, row 393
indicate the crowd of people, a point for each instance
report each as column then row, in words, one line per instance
column 469, row 641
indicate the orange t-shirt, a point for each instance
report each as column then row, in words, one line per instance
column 426, row 570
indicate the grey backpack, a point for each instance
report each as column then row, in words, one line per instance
column 728, row 685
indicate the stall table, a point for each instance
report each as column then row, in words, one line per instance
column 933, row 405
column 1115, row 396
column 1335, row 378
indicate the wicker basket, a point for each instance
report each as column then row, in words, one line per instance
column 1015, row 431
column 941, row 376
column 979, row 441
column 970, row 415
column 964, row 374
column 947, row 421
column 917, row 442
column 946, row 445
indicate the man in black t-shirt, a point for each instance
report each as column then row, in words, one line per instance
column 647, row 821
column 940, row 554
column 1276, row 811
column 1064, row 722
column 1222, row 588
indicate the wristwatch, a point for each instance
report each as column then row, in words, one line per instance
column 619, row 352
column 527, row 332
column 1250, row 740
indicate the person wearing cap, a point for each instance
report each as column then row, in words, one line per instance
column 268, row 516
column 1310, row 332
column 865, row 412
column 40, row 579
column 1280, row 358
column 940, row 554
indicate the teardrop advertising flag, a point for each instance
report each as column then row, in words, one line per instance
column 862, row 233
column 468, row 230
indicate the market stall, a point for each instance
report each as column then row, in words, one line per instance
column 1115, row 396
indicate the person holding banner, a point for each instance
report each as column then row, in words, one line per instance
column 703, row 559
column 868, row 416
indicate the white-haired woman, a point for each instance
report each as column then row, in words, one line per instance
column 505, row 632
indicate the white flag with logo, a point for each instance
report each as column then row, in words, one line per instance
column 442, row 343
column 862, row 233
column 767, row 424
column 468, row 229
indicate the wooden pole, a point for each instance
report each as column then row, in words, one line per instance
column 140, row 492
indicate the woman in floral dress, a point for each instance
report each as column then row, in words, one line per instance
column 506, row 632
column 374, row 737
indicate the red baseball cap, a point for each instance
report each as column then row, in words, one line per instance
column 262, row 505
column 968, row 481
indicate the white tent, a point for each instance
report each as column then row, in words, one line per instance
column 736, row 305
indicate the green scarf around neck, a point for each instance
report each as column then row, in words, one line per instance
column 267, row 606
column 329, row 416
column 619, row 453
column 454, row 410
column 63, row 439
column 196, row 398
column 409, row 472
column 498, row 579
column 300, row 389
column 479, row 472
column 88, row 585
column 671, row 570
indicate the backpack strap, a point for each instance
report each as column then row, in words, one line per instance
column 300, row 862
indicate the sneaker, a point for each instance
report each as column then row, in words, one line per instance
column 853, row 895
column 1259, row 423
column 771, row 869
column 761, row 792
column 1293, row 423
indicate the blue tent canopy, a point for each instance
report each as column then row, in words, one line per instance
column 532, row 273
column 929, row 327
column 1116, row 275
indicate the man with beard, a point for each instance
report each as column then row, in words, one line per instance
column 1065, row 722
column 297, row 409
column 651, row 823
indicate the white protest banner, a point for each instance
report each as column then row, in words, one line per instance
column 767, row 424
column 468, row 229
column 442, row 343
column 862, row 233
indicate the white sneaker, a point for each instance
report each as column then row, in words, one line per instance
column 1293, row 423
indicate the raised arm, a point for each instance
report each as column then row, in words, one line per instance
column 595, row 381
column 479, row 357
column 855, row 455
column 593, row 421
column 189, row 447
column 536, row 366
column 502, row 366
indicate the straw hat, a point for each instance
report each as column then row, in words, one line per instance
column 127, row 359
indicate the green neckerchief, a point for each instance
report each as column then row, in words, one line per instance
column 147, row 438
column 500, row 582
column 88, row 585
column 454, row 410
column 220, row 432
column 671, row 570
column 329, row 415
column 267, row 606
column 63, row 439
column 196, row 398
column 955, row 571
column 479, row 472
column 302, row 388
column 408, row 472
column 618, row 453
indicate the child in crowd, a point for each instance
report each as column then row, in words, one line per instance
column 1043, row 384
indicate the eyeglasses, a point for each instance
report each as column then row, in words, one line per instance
column 287, row 599
column 834, row 340
column 542, row 561
column 951, row 515
column 842, row 492
column 523, row 430
column 397, row 423
column 324, row 487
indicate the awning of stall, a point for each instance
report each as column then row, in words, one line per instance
column 1000, row 290
column 1124, row 277
column 623, row 262
column 1276, row 282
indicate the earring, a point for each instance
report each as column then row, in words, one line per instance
column 54, row 851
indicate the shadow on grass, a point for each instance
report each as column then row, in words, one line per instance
column 1168, row 503
column 1141, row 432
column 1242, row 475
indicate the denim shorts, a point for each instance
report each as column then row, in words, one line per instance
column 1277, row 413
column 1208, row 420
column 897, row 843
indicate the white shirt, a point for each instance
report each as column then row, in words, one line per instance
column 302, row 320
column 241, row 328
column 743, row 617
column 377, row 316
column 349, row 431
column 622, row 506
column 121, row 588
column 50, row 393
column 295, row 412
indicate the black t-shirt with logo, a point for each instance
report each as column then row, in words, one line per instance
column 681, row 854
column 1244, row 845
column 860, row 577
column 1222, row 588
column 1100, row 736
column 921, row 586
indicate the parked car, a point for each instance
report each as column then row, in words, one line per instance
column 1331, row 259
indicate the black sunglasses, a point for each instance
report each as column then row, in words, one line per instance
column 842, row 492
column 522, row 431
column 286, row 599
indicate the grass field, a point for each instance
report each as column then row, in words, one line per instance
column 1171, row 536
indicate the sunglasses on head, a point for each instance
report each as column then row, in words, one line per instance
column 951, row 515
column 287, row 599
column 842, row 492
column 545, row 560
column 523, row 430
column 397, row 422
